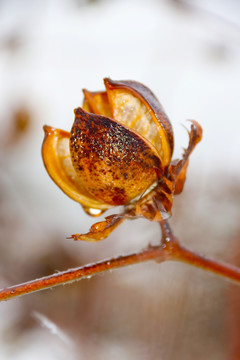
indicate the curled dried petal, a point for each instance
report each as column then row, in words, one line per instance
column 178, row 168
column 101, row 230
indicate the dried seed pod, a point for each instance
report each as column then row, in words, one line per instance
column 118, row 153
column 120, row 143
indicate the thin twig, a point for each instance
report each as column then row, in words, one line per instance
column 218, row 267
column 78, row 273
column 169, row 249
column 178, row 252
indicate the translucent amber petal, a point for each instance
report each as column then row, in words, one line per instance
column 57, row 160
column 86, row 106
column 135, row 106
column 98, row 102
column 114, row 163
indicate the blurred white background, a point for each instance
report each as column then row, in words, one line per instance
column 188, row 54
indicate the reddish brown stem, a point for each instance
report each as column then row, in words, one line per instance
column 178, row 252
column 226, row 270
column 169, row 249
column 78, row 273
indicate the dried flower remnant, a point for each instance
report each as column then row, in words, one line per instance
column 118, row 153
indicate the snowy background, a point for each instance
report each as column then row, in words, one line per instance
column 188, row 54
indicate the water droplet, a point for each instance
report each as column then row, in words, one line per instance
column 92, row 211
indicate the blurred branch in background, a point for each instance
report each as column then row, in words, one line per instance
column 210, row 8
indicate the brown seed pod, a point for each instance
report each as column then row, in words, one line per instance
column 120, row 143
column 118, row 153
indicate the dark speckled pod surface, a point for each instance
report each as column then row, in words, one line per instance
column 114, row 163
